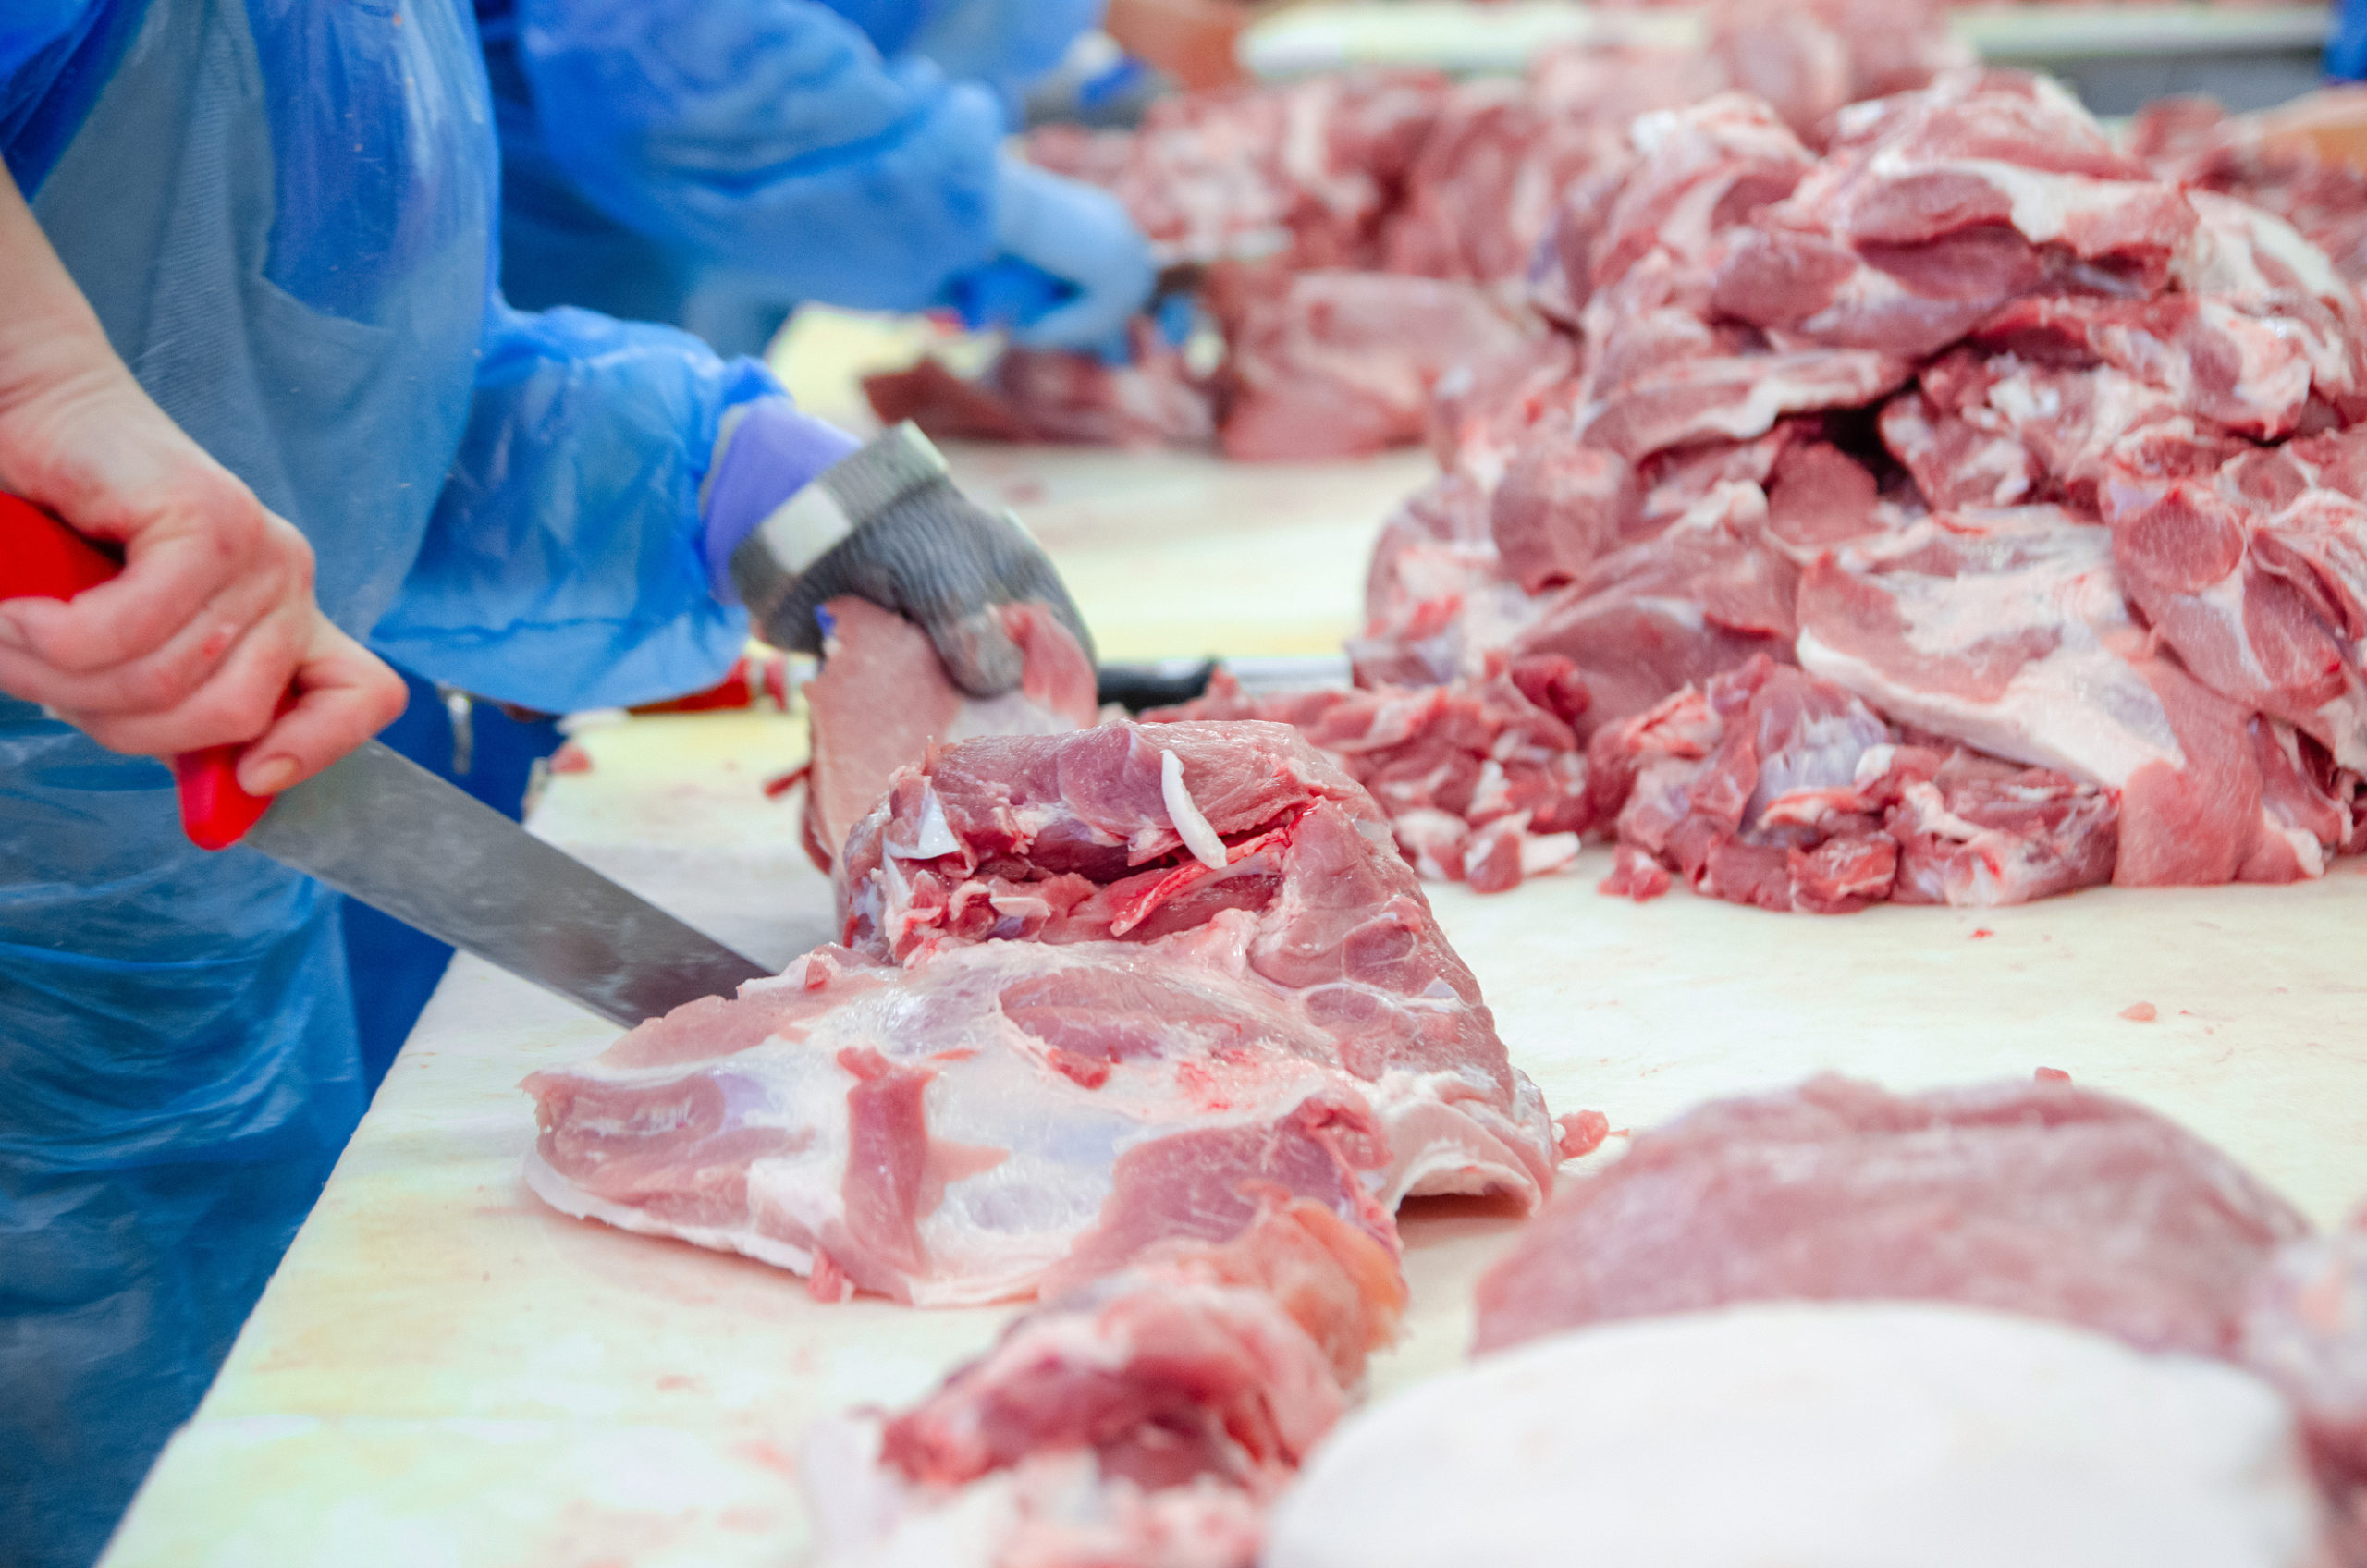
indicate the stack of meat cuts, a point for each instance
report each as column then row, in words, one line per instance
column 1367, row 234
column 2046, row 471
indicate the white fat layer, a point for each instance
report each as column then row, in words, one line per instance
column 1546, row 853
column 2082, row 709
column 935, row 836
column 568, row 1198
column 1842, row 1435
column 1184, row 812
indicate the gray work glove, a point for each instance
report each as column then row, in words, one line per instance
column 888, row 525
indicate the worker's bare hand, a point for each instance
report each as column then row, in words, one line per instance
column 213, row 617
column 212, row 620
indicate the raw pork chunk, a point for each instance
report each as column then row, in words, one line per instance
column 2009, row 630
column 883, row 700
column 1843, row 1436
column 1146, row 1420
column 1483, row 780
column 2040, row 1198
column 1769, row 787
column 1100, row 990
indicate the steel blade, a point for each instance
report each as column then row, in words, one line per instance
column 381, row 828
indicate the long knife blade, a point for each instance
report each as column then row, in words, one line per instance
column 385, row 830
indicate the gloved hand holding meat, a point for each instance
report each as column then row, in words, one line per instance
column 884, row 523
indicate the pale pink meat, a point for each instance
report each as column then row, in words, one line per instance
column 2036, row 1198
column 2009, row 630
column 2197, row 143
column 883, row 699
column 1335, row 364
column 2305, row 1329
column 1402, row 175
column 1102, row 990
column 1050, row 397
column 1707, row 593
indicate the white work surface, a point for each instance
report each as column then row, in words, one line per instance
column 1456, row 35
column 443, row 1374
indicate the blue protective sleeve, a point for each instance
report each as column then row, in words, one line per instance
column 769, row 135
column 562, row 569
column 55, row 57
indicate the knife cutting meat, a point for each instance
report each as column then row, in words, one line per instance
column 380, row 828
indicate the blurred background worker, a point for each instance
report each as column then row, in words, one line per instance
column 253, row 342
column 712, row 162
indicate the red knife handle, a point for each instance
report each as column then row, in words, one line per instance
column 42, row 559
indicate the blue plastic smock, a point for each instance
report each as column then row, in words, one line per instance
column 284, row 215
column 844, row 151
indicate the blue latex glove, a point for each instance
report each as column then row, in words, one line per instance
column 1084, row 241
column 887, row 527
column 2346, row 53
column 768, row 453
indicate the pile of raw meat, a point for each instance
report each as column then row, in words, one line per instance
column 1364, row 235
column 2045, row 470
column 2037, row 1200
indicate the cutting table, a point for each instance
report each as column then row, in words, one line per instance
column 2118, row 56
column 444, row 1374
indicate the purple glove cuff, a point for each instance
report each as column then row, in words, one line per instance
column 771, row 455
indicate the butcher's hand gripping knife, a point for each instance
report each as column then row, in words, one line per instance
column 385, row 830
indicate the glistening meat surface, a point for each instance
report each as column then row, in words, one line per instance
column 1483, row 780
column 2042, row 1199
column 1101, row 990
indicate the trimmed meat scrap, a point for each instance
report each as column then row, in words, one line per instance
column 1336, row 364
column 2040, row 1198
column 1483, row 781
column 1769, row 787
column 1148, row 1419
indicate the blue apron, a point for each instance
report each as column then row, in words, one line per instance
column 178, row 1066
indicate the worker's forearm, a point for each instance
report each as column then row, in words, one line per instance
column 54, row 355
